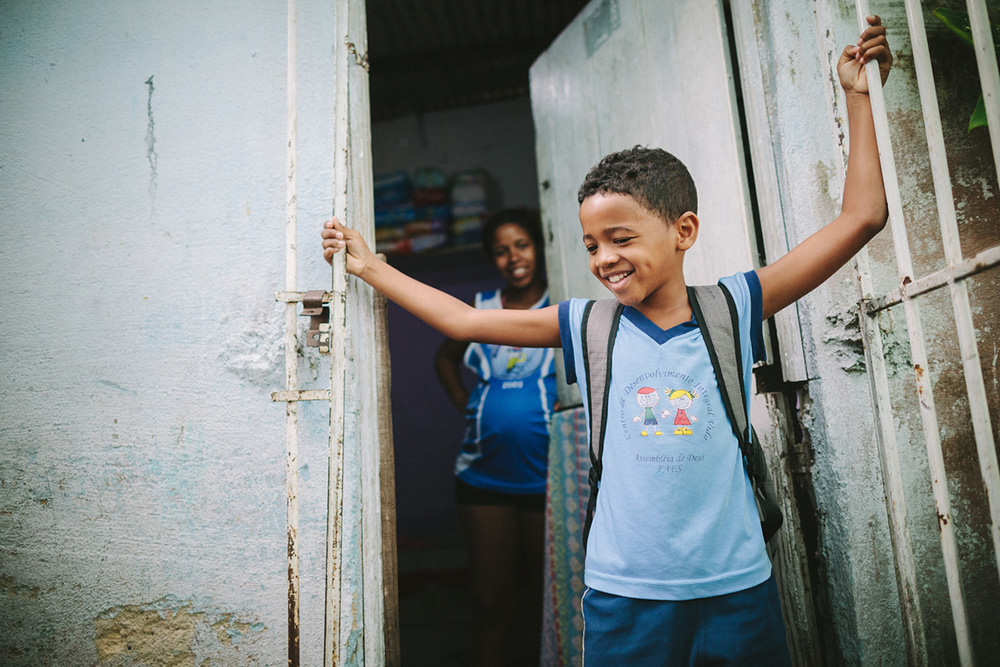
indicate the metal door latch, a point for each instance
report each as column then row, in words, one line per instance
column 318, row 334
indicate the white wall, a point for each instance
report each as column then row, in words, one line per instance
column 143, row 160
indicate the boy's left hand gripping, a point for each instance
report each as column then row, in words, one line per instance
column 337, row 237
column 332, row 239
column 871, row 45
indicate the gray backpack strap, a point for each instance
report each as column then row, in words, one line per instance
column 711, row 305
column 714, row 308
column 597, row 332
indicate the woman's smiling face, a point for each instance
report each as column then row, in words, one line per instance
column 514, row 255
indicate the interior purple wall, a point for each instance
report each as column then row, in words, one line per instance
column 427, row 428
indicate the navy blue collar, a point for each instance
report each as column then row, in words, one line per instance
column 648, row 327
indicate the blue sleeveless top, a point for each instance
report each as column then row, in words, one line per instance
column 506, row 442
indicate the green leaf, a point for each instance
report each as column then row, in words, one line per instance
column 978, row 117
column 957, row 21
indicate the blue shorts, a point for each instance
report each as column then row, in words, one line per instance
column 742, row 628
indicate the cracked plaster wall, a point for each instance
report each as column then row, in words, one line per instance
column 859, row 603
column 142, row 462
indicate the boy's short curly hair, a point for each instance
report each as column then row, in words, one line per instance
column 657, row 180
column 526, row 218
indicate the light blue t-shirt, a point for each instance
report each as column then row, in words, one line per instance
column 506, row 443
column 675, row 516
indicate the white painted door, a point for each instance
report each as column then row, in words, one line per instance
column 629, row 72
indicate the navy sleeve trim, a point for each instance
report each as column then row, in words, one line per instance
column 567, row 342
column 756, row 317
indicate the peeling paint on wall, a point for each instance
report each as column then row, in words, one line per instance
column 170, row 632
column 11, row 589
column 843, row 339
column 254, row 352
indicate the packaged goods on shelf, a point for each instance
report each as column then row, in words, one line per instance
column 411, row 244
column 429, row 210
column 470, row 203
column 411, row 214
column 392, row 189
column 430, row 187
column 393, row 207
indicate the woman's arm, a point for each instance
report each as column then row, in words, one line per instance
column 447, row 365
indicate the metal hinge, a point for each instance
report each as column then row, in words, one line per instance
column 314, row 306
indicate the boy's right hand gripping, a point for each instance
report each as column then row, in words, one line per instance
column 337, row 237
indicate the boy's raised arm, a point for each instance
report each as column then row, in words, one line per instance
column 864, row 211
column 452, row 317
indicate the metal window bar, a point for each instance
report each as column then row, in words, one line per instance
column 906, row 574
column 928, row 410
column 975, row 385
column 953, row 276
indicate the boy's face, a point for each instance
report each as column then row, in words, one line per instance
column 633, row 252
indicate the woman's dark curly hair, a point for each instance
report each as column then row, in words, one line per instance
column 527, row 219
column 657, row 180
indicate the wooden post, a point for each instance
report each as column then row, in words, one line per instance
column 390, row 571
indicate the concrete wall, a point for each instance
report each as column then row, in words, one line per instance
column 838, row 451
column 143, row 194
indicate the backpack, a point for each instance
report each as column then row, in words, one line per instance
column 715, row 312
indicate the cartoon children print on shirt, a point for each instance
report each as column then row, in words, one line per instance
column 680, row 399
column 647, row 398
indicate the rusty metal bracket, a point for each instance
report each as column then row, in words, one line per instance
column 315, row 308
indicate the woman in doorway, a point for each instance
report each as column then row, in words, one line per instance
column 501, row 471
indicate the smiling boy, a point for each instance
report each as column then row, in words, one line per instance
column 676, row 570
